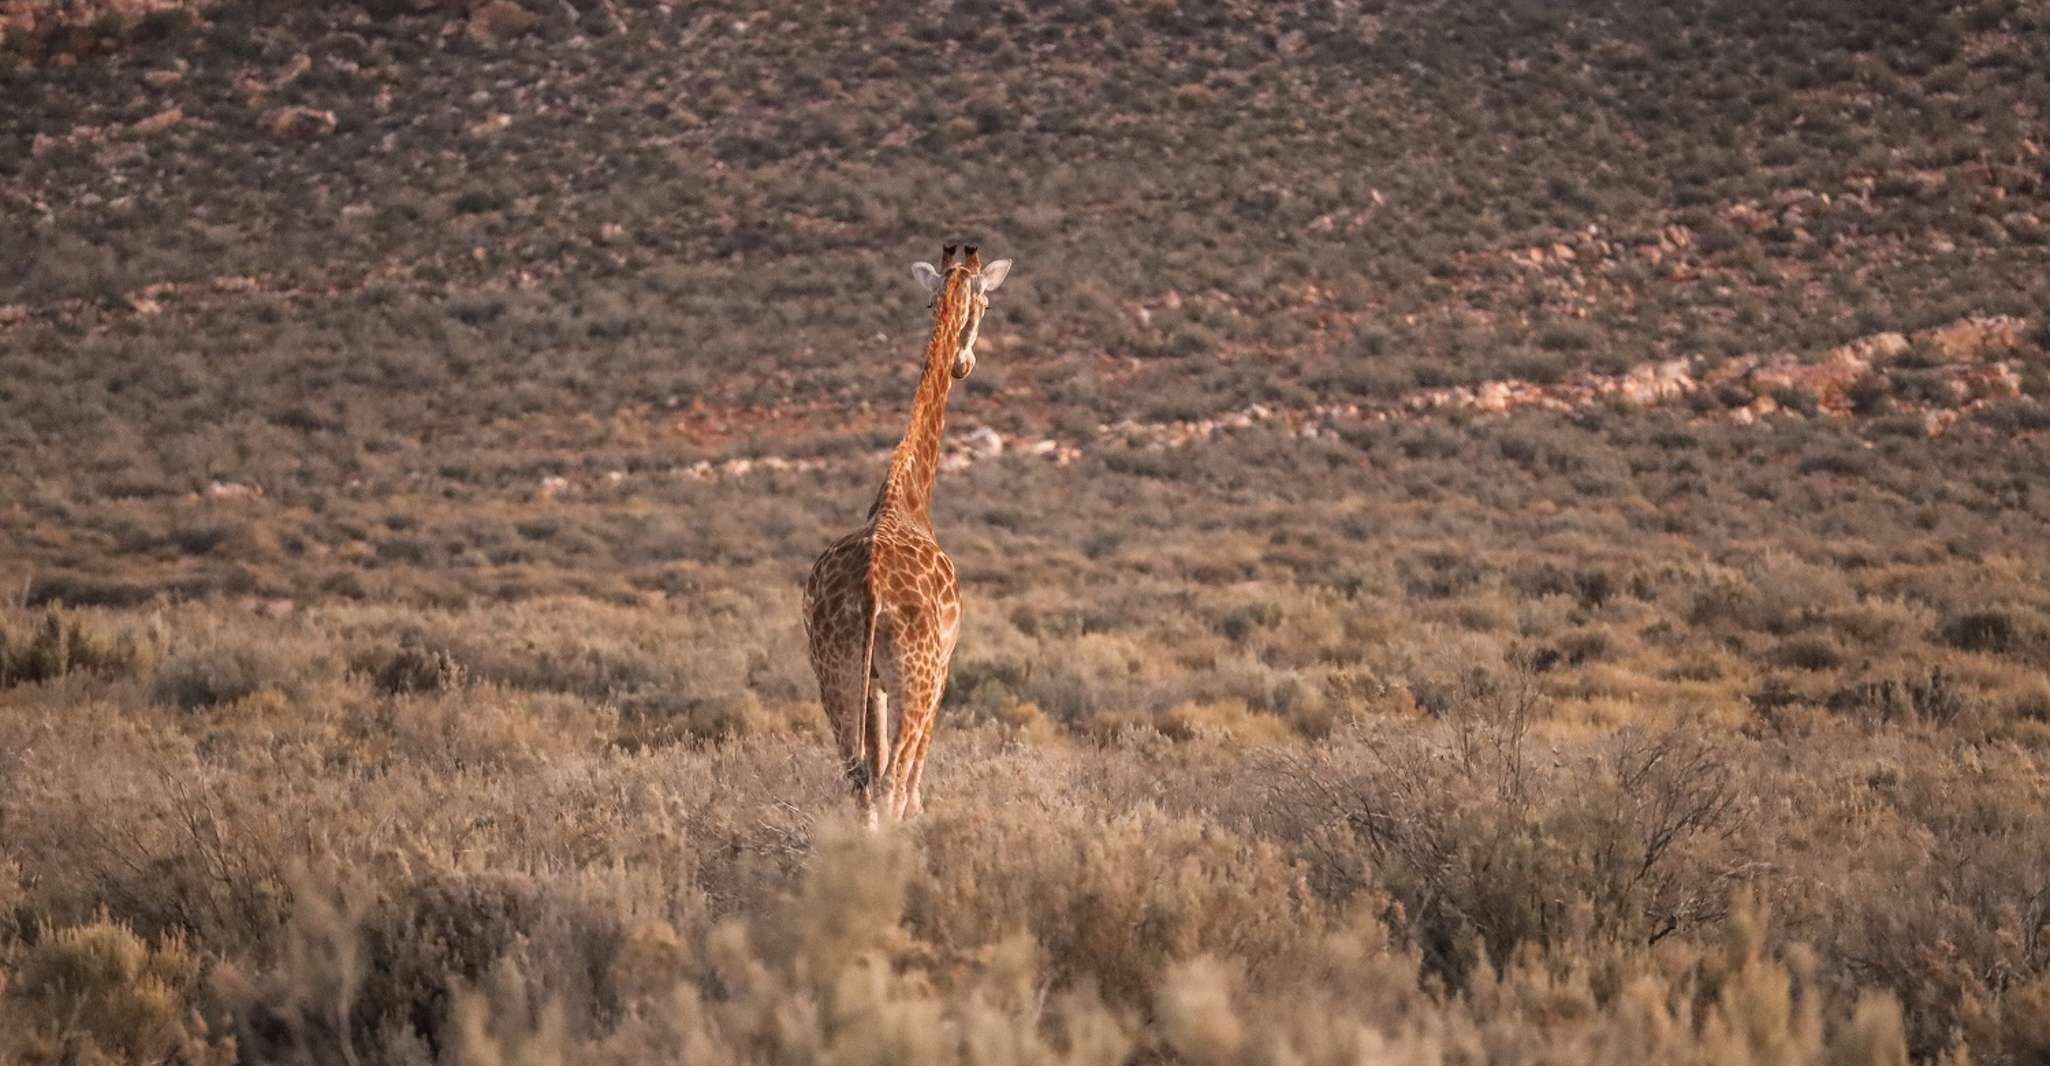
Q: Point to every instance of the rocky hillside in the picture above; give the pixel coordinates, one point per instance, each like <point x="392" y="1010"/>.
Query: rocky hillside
<point x="633" y="205"/>
<point x="489" y="250"/>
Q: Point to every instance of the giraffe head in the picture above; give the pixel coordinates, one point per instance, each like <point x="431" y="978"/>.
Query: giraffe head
<point x="960" y="292"/>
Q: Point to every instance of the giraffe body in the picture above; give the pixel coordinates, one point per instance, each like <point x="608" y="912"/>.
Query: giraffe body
<point x="882" y="607"/>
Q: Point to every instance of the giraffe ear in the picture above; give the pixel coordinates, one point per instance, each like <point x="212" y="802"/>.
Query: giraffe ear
<point x="993" y="275"/>
<point x="928" y="276"/>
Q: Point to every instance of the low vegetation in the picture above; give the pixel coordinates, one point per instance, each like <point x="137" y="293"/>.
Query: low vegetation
<point x="489" y="876"/>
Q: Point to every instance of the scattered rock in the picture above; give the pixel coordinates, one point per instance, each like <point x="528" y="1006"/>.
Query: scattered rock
<point x="1970" y="339"/>
<point x="299" y="65"/>
<point x="983" y="442"/>
<point x="231" y="490"/>
<point x="299" y="121"/>
<point x="1760" y="388"/>
<point x="501" y="20"/>
<point x="1652" y="383"/>
<point x="486" y="127"/>
<point x="162" y="120"/>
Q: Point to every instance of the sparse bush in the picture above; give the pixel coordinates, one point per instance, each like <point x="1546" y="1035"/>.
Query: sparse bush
<point x="55" y="646"/>
<point x="413" y="668"/>
<point x="207" y="677"/>
<point x="1497" y="853"/>
<point x="1934" y="698"/>
<point x="2001" y="631"/>
<point x="99" y="993"/>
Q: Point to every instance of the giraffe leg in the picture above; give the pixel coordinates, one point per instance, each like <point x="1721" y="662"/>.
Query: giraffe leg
<point x="915" y="804"/>
<point x="918" y="703"/>
<point x="840" y="692"/>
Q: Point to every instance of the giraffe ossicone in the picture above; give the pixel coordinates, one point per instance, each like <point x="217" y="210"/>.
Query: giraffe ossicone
<point x="882" y="607"/>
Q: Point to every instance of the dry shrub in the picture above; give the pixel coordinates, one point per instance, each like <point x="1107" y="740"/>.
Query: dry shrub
<point x="2025" y="1021"/>
<point x="829" y="974"/>
<point x="1111" y="901"/>
<point x="1934" y="698"/>
<point x="55" y="646"/>
<point x="412" y="668"/>
<point x="162" y="846"/>
<point x="1059" y="903"/>
<point x="359" y="971"/>
<point x="1944" y="904"/>
<point x="97" y="993"/>
<point x="2014" y="631"/>
<point x="1482" y="849"/>
<point x="1361" y="999"/>
<point x="220" y="674"/>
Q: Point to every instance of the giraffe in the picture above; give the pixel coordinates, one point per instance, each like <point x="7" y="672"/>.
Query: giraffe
<point x="882" y="607"/>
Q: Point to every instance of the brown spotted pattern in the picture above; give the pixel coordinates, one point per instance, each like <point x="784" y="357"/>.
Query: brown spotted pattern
<point x="882" y="607"/>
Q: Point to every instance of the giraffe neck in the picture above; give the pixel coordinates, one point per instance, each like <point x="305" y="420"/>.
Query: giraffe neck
<point x="907" y="488"/>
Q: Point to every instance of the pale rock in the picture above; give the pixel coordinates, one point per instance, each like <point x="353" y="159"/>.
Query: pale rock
<point x="983" y="442"/>
<point x="299" y="121"/>
<point x="486" y="127"/>
<point x="162" y="120"/>
<point x="231" y="490"/>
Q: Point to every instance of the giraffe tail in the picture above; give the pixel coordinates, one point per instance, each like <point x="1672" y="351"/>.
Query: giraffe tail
<point x="875" y="729"/>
